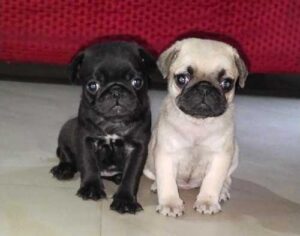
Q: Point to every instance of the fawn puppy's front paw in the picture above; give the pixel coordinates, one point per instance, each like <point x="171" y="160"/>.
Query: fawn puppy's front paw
<point x="172" y="207"/>
<point x="207" y="205"/>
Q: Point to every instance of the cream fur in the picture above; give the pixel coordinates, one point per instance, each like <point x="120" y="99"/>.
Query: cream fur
<point x="186" y="152"/>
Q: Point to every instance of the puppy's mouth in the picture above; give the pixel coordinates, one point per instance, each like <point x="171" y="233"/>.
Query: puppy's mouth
<point x="202" y="100"/>
<point x="116" y="101"/>
<point x="118" y="109"/>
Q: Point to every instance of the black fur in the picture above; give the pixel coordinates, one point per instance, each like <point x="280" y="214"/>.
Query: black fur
<point x="202" y="100"/>
<point x="116" y="110"/>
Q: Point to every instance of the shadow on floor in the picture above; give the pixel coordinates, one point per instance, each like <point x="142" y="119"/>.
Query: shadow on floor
<point x="248" y="200"/>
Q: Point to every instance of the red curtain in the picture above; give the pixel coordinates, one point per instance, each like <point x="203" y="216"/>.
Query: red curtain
<point x="51" y="31"/>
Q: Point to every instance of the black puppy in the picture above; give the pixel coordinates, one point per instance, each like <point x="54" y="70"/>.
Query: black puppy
<point x="109" y="138"/>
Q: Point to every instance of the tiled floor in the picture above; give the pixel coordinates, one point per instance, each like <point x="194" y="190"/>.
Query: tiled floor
<point x="265" y="193"/>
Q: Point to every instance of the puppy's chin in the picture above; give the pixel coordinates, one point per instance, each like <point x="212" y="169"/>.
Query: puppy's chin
<point x="118" y="112"/>
<point x="202" y="111"/>
<point x="202" y="101"/>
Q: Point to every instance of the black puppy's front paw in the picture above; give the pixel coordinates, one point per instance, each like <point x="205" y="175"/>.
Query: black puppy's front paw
<point x="63" y="171"/>
<point x="125" y="204"/>
<point x="91" y="190"/>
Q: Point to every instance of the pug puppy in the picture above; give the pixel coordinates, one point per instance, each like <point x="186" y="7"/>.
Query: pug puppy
<point x="109" y="137"/>
<point x="193" y="143"/>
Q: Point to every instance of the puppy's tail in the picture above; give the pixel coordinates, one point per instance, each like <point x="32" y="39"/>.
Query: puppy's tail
<point x="149" y="174"/>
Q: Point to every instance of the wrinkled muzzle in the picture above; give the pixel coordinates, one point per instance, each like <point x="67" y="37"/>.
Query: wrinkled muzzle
<point x="116" y="100"/>
<point x="202" y="100"/>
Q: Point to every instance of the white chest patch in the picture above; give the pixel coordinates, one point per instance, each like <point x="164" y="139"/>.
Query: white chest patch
<point x="110" y="171"/>
<point x="111" y="138"/>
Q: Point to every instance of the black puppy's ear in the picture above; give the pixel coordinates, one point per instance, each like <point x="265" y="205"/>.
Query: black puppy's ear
<point x="242" y="69"/>
<point x="74" y="67"/>
<point x="150" y="65"/>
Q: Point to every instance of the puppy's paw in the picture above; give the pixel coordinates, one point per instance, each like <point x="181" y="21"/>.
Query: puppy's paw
<point x="206" y="206"/>
<point x="63" y="171"/>
<point x="153" y="188"/>
<point x="91" y="190"/>
<point x="225" y="195"/>
<point x="125" y="204"/>
<point x="172" y="208"/>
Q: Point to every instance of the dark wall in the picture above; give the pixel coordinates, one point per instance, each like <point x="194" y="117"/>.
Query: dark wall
<point x="257" y="84"/>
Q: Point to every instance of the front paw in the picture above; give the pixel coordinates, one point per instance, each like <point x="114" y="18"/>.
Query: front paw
<point x="125" y="204"/>
<point x="207" y="206"/>
<point x="173" y="208"/>
<point x="91" y="190"/>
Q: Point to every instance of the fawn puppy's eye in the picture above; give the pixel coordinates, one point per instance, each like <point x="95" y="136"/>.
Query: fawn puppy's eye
<point x="227" y="84"/>
<point x="182" y="79"/>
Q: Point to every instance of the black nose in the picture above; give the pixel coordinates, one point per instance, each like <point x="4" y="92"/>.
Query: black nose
<point x="116" y="91"/>
<point x="204" y="87"/>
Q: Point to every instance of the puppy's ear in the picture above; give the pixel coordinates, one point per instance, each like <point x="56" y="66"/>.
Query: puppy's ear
<point x="166" y="59"/>
<point x="74" y="67"/>
<point x="150" y="66"/>
<point x="242" y="69"/>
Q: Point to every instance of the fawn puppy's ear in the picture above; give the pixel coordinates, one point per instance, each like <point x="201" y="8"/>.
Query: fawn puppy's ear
<point x="242" y="69"/>
<point x="167" y="57"/>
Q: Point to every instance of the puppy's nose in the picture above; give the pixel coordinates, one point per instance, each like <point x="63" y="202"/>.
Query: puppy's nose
<point x="116" y="91"/>
<point x="204" y="87"/>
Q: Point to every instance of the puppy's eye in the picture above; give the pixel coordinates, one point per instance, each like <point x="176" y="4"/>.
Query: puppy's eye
<point x="182" y="79"/>
<point x="137" y="83"/>
<point x="227" y="84"/>
<point x="92" y="87"/>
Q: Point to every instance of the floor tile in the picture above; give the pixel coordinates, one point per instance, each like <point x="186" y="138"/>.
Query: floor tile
<point x="35" y="176"/>
<point x="36" y="211"/>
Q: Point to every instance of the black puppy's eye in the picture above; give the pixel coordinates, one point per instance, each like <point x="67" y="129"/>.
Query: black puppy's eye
<point x="92" y="87"/>
<point x="137" y="83"/>
<point x="182" y="79"/>
<point x="227" y="84"/>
